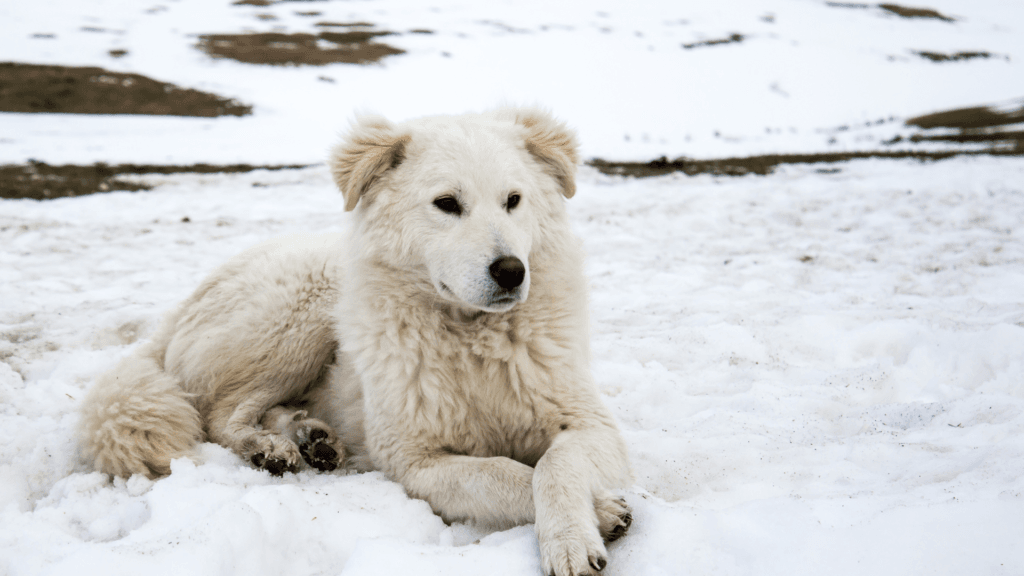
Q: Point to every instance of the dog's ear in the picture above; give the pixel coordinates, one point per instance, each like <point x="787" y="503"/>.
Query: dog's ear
<point x="372" y="147"/>
<point x="551" y="142"/>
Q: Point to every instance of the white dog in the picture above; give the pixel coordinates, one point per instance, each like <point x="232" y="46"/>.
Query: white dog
<point x="444" y="342"/>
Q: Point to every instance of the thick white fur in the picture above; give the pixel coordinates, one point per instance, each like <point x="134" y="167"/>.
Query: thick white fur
<point x="397" y="344"/>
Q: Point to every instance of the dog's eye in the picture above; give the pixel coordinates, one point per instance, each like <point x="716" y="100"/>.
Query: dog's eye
<point x="448" y="204"/>
<point x="513" y="201"/>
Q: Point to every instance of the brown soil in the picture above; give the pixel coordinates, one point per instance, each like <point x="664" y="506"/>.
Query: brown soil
<point x="763" y="165"/>
<point x="940" y="57"/>
<point x="42" y="181"/>
<point x="88" y="90"/>
<point x="355" y="47"/>
<point x="906" y="12"/>
<point x="733" y="38"/>
<point x="975" y="125"/>
<point x="974" y="117"/>
<point x="759" y="165"/>
<point x="979" y="124"/>
<point x="1010" y="137"/>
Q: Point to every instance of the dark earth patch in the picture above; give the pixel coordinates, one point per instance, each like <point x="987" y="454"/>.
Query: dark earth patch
<point x="733" y="38"/>
<point x="117" y="53"/>
<point x="759" y="165"/>
<point x="907" y="12"/>
<point x="974" y="125"/>
<point x="352" y="37"/>
<point x="902" y="11"/>
<point x="973" y="117"/>
<point x="940" y="57"/>
<point x="279" y="49"/>
<point x="978" y="124"/>
<point x="41" y="181"/>
<point x="89" y="90"/>
<point x="1011" y="138"/>
<point x="764" y="165"/>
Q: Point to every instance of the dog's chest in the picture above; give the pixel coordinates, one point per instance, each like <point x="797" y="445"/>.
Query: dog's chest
<point x="490" y="398"/>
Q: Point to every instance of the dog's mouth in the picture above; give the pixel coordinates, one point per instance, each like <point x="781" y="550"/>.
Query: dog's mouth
<point x="501" y="302"/>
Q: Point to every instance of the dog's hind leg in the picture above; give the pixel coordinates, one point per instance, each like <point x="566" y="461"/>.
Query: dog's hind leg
<point x="233" y="423"/>
<point x="318" y="444"/>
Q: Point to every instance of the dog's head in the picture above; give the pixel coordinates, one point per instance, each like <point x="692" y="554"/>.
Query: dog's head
<point x="463" y="200"/>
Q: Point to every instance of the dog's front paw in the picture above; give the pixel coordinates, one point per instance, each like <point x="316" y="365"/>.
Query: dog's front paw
<point x="319" y="449"/>
<point x="614" y="516"/>
<point x="576" y="551"/>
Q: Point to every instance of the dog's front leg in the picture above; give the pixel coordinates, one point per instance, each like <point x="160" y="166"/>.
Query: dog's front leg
<point x="496" y="491"/>
<point x="570" y="497"/>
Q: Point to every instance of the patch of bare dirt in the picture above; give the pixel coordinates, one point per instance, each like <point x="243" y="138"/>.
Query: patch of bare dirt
<point x="732" y="39"/>
<point x="901" y="11"/>
<point x="89" y="90"/>
<point x="278" y="49"/>
<point x="940" y="57"/>
<point x="761" y="165"/>
<point x="41" y="181"/>
<point x="907" y="12"/>
<point x="994" y="125"/>
<point x="344" y="25"/>
<point x="974" y="117"/>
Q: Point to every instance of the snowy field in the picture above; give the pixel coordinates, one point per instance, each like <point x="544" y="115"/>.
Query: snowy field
<point x="817" y="372"/>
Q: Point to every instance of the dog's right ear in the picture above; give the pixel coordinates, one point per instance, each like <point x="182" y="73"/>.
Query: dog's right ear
<point x="372" y="147"/>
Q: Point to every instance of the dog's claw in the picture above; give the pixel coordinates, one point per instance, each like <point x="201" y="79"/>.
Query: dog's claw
<point x="598" y="563"/>
<point x="620" y="530"/>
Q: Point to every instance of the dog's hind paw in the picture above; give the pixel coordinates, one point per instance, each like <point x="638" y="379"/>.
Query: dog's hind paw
<point x="276" y="466"/>
<point x="319" y="448"/>
<point x="317" y="453"/>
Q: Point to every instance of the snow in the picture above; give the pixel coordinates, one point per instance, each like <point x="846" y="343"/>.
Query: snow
<point x="616" y="70"/>
<point x="817" y="371"/>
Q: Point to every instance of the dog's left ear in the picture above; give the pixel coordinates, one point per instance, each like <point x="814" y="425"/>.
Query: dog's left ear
<point x="372" y="147"/>
<point x="552" y="143"/>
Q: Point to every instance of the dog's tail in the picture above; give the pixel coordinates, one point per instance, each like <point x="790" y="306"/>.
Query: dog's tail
<point x="137" y="418"/>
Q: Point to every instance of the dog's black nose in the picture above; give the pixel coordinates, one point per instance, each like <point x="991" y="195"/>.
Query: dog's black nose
<point x="508" y="272"/>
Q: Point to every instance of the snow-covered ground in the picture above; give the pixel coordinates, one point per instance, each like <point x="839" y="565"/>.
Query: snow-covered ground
<point x="806" y="73"/>
<point x="817" y="372"/>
